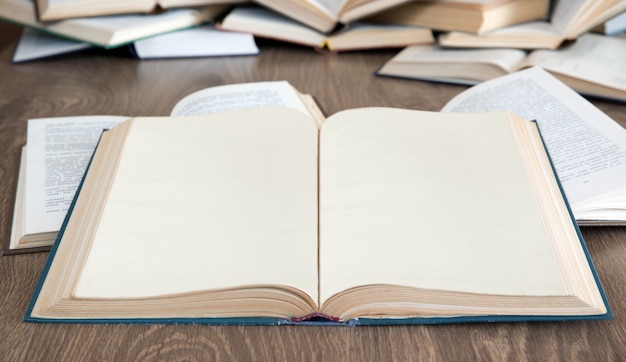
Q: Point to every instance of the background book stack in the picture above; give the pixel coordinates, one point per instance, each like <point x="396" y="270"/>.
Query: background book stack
<point x="201" y="41"/>
<point x="357" y="35"/>
<point x="570" y="42"/>
<point x="325" y="15"/>
<point x="60" y="9"/>
<point x="475" y="16"/>
<point x="112" y="26"/>
<point x="568" y="20"/>
<point x="593" y="65"/>
<point x="108" y="31"/>
<point x="163" y="34"/>
<point x="336" y="25"/>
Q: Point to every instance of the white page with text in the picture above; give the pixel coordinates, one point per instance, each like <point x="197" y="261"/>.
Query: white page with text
<point x="59" y="150"/>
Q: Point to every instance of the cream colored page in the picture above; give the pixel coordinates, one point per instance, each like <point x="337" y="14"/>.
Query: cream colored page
<point x="440" y="204"/>
<point x="205" y="203"/>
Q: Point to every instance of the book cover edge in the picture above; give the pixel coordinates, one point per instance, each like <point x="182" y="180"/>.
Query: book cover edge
<point x="583" y="244"/>
<point x="55" y="246"/>
<point x="352" y="322"/>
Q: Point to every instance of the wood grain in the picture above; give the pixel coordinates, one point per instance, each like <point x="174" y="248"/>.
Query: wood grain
<point x="112" y="83"/>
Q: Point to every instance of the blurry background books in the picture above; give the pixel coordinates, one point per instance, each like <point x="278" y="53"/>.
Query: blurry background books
<point x="335" y="26"/>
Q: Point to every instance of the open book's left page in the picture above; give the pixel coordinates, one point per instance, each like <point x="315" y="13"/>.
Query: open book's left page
<point x="225" y="203"/>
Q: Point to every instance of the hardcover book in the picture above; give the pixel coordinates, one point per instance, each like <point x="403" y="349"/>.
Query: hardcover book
<point x="266" y="216"/>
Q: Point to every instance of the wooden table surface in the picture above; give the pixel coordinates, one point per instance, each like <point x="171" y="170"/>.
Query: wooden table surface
<point x="98" y="83"/>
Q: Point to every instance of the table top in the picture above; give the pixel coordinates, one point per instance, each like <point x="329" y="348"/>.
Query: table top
<point x="98" y="82"/>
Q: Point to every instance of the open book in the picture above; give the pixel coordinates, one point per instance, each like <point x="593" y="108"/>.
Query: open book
<point x="593" y="65"/>
<point x="324" y="15"/>
<point x="62" y="9"/>
<point x="354" y="36"/>
<point x="266" y="216"/>
<point x="109" y="31"/>
<point x="569" y="20"/>
<point x="475" y="16"/>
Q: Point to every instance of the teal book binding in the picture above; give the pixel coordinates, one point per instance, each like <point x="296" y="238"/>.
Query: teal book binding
<point x="369" y="303"/>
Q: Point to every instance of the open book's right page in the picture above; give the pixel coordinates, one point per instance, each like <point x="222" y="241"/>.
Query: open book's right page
<point x="428" y="203"/>
<point x="587" y="147"/>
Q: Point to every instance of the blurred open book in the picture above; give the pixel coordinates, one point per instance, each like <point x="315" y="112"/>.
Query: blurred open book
<point x="474" y="16"/>
<point x="355" y="36"/>
<point x="63" y="9"/>
<point x="593" y="65"/>
<point x="109" y="31"/>
<point x="569" y="20"/>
